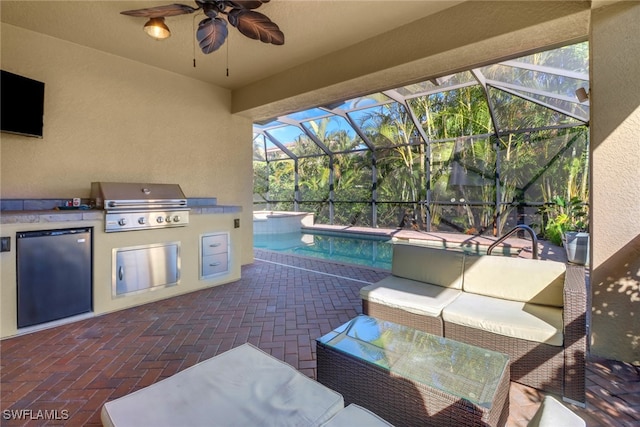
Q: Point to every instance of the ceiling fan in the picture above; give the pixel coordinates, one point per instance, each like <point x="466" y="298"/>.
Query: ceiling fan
<point x="212" y="30"/>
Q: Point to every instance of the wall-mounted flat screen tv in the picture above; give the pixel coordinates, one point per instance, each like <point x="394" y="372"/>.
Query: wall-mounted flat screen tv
<point x="22" y="109"/>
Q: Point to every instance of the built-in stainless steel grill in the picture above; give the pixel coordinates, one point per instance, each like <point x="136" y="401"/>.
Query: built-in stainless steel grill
<point x="131" y="206"/>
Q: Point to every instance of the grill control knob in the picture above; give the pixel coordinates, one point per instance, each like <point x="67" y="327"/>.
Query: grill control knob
<point x="142" y="220"/>
<point x="160" y="220"/>
<point x="176" y="218"/>
<point x="168" y="219"/>
<point x="122" y="222"/>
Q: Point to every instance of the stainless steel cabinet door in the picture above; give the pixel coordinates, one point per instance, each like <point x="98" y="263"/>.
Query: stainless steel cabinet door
<point x="143" y="267"/>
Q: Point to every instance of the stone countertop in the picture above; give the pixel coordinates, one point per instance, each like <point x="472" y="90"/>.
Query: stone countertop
<point x="26" y="217"/>
<point x="66" y="215"/>
<point x="215" y="209"/>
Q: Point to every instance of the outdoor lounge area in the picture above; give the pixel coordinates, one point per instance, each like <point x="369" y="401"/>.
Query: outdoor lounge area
<point x="281" y="305"/>
<point x="142" y="258"/>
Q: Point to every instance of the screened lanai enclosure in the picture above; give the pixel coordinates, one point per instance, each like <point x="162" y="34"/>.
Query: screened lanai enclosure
<point x="475" y="152"/>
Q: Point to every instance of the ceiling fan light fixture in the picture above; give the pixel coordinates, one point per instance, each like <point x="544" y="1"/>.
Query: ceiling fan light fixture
<point x="156" y="28"/>
<point x="212" y="30"/>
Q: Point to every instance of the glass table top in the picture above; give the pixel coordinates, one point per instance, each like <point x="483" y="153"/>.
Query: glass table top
<point x="460" y="369"/>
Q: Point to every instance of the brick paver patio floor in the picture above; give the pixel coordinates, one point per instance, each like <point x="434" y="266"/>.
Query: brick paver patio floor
<point x="281" y="304"/>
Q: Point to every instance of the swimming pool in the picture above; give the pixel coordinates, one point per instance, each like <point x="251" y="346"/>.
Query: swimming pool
<point x="370" y="251"/>
<point x="360" y="249"/>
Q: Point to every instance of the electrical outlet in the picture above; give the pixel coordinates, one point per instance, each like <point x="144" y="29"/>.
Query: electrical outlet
<point x="236" y="223"/>
<point x="5" y="244"/>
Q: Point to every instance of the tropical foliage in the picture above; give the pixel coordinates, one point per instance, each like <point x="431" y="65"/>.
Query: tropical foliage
<point x="563" y="215"/>
<point x="455" y="157"/>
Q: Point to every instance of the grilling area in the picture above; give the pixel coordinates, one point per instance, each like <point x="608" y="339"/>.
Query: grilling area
<point x="130" y="206"/>
<point x="144" y="242"/>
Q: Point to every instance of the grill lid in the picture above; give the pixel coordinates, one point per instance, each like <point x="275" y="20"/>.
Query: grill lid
<point x="124" y="195"/>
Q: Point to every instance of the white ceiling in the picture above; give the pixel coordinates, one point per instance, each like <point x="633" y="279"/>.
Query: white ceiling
<point x="312" y="28"/>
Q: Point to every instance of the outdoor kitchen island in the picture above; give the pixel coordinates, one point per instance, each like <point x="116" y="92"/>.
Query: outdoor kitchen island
<point x="206" y="252"/>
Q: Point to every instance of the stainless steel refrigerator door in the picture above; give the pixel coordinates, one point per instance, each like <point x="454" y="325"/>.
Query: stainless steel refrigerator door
<point x="54" y="275"/>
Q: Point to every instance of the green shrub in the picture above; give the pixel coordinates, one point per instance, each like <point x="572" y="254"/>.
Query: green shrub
<point x="561" y="216"/>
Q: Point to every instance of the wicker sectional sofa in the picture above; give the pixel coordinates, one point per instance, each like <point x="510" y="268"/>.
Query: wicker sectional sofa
<point x="532" y="310"/>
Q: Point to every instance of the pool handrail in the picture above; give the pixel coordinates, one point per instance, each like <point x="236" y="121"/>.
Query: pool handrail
<point x="534" y="239"/>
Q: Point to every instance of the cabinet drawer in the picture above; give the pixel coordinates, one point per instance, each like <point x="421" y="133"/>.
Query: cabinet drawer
<point x="214" y="264"/>
<point x="214" y="244"/>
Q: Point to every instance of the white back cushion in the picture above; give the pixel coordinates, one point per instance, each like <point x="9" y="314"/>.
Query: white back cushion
<point x="516" y="279"/>
<point x="430" y="265"/>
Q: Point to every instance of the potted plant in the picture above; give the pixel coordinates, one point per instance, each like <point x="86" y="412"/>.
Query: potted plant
<point x="566" y="224"/>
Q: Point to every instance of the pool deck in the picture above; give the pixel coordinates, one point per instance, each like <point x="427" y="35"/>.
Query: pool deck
<point x="281" y="304"/>
<point x="522" y="246"/>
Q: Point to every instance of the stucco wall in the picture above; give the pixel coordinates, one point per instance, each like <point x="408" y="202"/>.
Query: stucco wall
<point x="112" y="119"/>
<point x="615" y="203"/>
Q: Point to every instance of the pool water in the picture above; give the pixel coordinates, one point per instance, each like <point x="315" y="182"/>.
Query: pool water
<point x="370" y="251"/>
<point x="360" y="249"/>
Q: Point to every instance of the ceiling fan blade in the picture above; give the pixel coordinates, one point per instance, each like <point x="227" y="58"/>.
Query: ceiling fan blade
<point x="246" y="4"/>
<point x="161" y="11"/>
<point x="211" y="34"/>
<point x="255" y="25"/>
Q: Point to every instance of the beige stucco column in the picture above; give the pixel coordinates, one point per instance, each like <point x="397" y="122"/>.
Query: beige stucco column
<point x="615" y="196"/>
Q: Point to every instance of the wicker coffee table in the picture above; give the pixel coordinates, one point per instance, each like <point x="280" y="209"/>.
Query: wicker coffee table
<point x="410" y="377"/>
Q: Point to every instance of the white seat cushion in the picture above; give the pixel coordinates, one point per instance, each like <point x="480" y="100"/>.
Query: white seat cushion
<point x="514" y="319"/>
<point x="410" y="295"/>
<point x="354" y="416"/>
<point x="240" y="387"/>
<point x="554" y="414"/>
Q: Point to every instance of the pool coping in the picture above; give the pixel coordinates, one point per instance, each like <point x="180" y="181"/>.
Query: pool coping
<point x="546" y="250"/>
